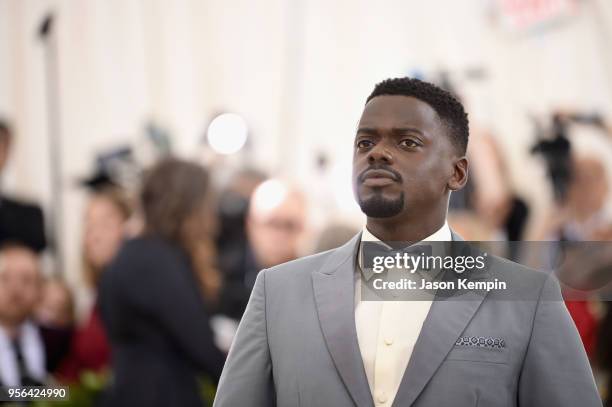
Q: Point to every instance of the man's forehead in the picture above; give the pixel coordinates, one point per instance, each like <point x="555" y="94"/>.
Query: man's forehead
<point x="398" y="110"/>
<point x="18" y="256"/>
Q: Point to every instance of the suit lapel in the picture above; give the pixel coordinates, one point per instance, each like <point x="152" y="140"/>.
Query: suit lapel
<point x="445" y="322"/>
<point x="334" y="295"/>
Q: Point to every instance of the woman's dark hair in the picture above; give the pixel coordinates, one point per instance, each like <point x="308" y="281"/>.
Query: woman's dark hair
<point x="173" y="190"/>
<point x="173" y="201"/>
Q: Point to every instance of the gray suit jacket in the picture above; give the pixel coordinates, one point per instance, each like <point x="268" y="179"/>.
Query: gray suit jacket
<point x="297" y="345"/>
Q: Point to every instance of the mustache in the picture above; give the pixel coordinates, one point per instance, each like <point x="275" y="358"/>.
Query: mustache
<point x="396" y="176"/>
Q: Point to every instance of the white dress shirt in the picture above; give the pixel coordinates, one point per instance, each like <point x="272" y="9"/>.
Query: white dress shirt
<point x="387" y="332"/>
<point x="33" y="351"/>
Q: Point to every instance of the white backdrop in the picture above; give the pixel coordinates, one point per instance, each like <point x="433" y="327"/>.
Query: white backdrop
<point x="298" y="71"/>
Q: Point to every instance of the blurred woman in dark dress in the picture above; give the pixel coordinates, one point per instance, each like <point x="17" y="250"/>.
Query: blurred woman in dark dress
<point x="154" y="296"/>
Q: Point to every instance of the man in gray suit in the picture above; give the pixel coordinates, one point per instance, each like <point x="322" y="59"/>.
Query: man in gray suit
<point x="308" y="339"/>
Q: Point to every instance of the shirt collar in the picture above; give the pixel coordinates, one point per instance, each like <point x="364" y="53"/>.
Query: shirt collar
<point x="441" y="235"/>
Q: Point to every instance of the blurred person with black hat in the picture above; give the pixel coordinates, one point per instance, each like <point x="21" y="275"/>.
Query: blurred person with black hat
<point x="106" y="217"/>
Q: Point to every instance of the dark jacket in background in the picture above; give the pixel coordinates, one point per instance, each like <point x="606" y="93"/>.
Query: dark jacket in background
<point x="22" y="223"/>
<point x="157" y="325"/>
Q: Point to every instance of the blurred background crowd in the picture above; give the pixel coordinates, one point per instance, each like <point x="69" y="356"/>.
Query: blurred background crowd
<point x="156" y="155"/>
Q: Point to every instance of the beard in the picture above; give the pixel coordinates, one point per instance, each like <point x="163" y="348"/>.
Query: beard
<point x="379" y="207"/>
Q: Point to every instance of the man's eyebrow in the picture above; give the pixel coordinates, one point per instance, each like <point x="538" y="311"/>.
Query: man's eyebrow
<point x="402" y="130"/>
<point x="395" y="130"/>
<point x="367" y="130"/>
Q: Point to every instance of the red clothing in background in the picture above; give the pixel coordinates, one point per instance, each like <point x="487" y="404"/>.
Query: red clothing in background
<point x="89" y="350"/>
<point x="586" y="323"/>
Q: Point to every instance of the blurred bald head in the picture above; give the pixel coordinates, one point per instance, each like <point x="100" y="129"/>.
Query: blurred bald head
<point x="276" y="222"/>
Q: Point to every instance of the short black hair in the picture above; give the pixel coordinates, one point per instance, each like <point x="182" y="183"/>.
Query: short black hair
<point x="449" y="109"/>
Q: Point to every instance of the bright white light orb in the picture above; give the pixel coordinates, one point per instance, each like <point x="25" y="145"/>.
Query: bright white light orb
<point x="227" y="133"/>
<point x="268" y="196"/>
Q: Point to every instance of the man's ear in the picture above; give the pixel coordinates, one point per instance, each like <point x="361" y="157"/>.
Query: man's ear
<point x="460" y="174"/>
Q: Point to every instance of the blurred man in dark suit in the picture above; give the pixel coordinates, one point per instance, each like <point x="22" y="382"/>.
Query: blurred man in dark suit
<point x="19" y="221"/>
<point x="22" y="352"/>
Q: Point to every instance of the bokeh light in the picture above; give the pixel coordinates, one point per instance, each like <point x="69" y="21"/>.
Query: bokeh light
<point x="227" y="133"/>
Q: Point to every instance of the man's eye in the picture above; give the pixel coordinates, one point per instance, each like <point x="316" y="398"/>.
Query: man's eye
<point x="364" y="144"/>
<point x="409" y="143"/>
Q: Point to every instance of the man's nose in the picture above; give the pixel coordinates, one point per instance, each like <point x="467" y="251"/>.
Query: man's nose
<point x="380" y="153"/>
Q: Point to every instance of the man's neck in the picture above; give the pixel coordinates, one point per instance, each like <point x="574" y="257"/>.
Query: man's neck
<point x="389" y="230"/>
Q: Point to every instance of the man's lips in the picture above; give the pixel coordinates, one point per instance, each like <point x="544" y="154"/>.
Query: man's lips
<point x="377" y="182"/>
<point x="378" y="178"/>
